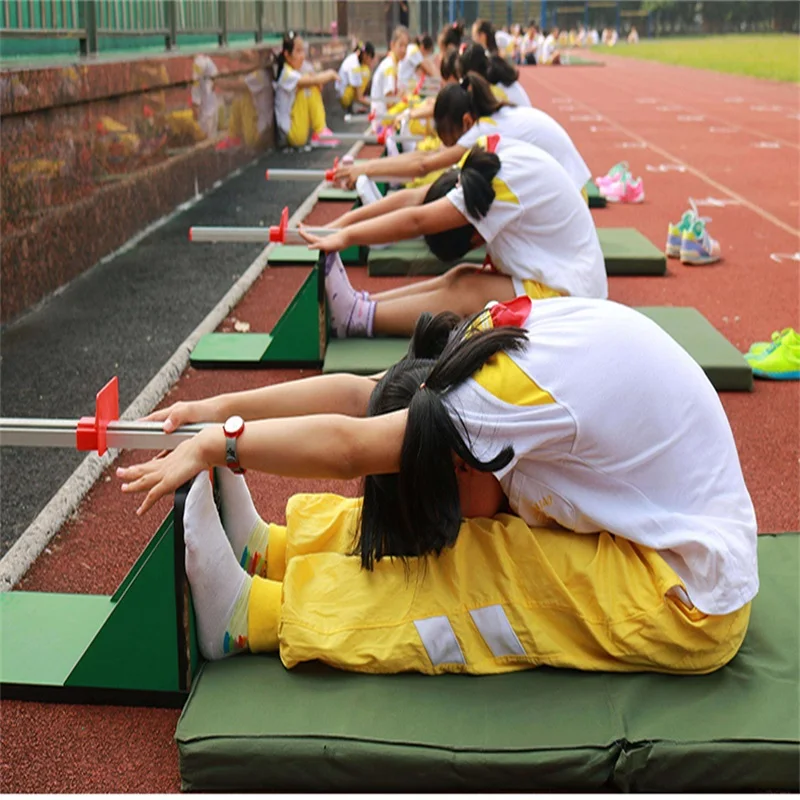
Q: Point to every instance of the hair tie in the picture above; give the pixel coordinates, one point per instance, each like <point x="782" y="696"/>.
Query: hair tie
<point x="465" y="83"/>
<point x="422" y="385"/>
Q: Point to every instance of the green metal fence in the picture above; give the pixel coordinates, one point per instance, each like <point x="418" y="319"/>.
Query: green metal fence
<point x="102" y="24"/>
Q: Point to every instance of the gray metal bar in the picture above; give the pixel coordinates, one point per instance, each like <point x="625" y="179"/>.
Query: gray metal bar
<point x="121" y="434"/>
<point x="253" y="235"/>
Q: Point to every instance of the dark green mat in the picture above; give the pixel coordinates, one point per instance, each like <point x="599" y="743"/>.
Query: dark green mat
<point x="333" y="195"/>
<point x="298" y="255"/>
<point x="626" y="252"/>
<point x="721" y="361"/>
<point x="412" y="257"/>
<point x="596" y="200"/>
<point x="249" y="724"/>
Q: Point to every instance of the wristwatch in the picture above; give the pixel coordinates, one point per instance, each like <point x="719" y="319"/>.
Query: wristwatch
<point x="233" y="428"/>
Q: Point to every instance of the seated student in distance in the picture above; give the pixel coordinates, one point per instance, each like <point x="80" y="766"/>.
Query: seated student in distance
<point x="448" y="69"/>
<point x="539" y="234"/>
<point x="463" y="113"/>
<point x="549" y="50"/>
<point x="499" y="73"/>
<point x="354" y="76"/>
<point x="530" y="45"/>
<point x="385" y="84"/>
<point x="418" y="62"/>
<point x="299" y="110"/>
<point x="641" y="555"/>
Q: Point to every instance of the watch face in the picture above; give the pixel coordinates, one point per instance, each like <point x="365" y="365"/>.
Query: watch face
<point x="233" y="425"/>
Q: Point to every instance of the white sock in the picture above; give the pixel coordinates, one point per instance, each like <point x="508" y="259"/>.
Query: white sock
<point x="351" y="313"/>
<point x="368" y="191"/>
<point x="220" y="587"/>
<point x="239" y="515"/>
<point x="391" y="147"/>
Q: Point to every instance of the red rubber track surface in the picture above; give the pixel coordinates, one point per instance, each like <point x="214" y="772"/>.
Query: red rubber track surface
<point x="62" y="748"/>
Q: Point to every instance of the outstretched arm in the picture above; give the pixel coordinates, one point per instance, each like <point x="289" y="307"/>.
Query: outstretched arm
<point x="317" y="78"/>
<point x="321" y="394"/>
<point x="407" y="223"/>
<point x="321" y="446"/>
<point x="406" y="165"/>
<point x="392" y="202"/>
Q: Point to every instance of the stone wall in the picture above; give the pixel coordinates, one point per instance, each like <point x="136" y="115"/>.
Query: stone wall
<point x="92" y="152"/>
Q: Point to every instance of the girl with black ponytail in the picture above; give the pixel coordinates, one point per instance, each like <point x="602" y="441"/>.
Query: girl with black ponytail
<point x="503" y="77"/>
<point x="463" y="113"/>
<point x="539" y="235"/>
<point x="299" y="110"/>
<point x="631" y="539"/>
<point x="354" y="76"/>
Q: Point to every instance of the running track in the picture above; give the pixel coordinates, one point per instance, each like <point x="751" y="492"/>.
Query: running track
<point x="53" y="748"/>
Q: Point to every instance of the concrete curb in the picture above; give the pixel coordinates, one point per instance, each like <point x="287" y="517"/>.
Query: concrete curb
<point x="35" y="538"/>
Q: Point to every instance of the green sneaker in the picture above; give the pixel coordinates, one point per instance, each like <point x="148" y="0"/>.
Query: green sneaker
<point x="760" y="347"/>
<point x="780" y="361"/>
<point x="675" y="233"/>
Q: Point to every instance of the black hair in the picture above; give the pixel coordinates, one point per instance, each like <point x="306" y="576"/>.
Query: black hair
<point x="472" y="95"/>
<point x="487" y="29"/>
<point x="452" y="35"/>
<point x="449" y="66"/>
<point x="492" y="67"/>
<point x="425" y="42"/>
<point x="417" y="511"/>
<point x="475" y="178"/>
<point x="366" y="49"/>
<point x="287" y="46"/>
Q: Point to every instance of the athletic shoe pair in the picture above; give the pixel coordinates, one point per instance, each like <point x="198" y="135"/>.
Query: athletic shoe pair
<point x="778" y="359"/>
<point x="618" y="186"/>
<point x="689" y="240"/>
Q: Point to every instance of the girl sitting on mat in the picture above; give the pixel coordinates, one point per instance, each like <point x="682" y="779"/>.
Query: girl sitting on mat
<point x="501" y="75"/>
<point x="448" y="69"/>
<point x="631" y="542"/>
<point x="540" y="240"/>
<point x="299" y="110"/>
<point x="464" y="112"/>
<point x="354" y="76"/>
<point x="385" y="83"/>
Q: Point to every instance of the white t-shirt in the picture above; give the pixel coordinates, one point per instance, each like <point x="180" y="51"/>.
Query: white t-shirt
<point x="548" y="49"/>
<point x="503" y="40"/>
<point x="516" y="94"/>
<point x="384" y="83"/>
<point x="539" y="226"/>
<point x="616" y="428"/>
<point x="407" y="70"/>
<point x="285" y="91"/>
<point x="530" y="44"/>
<point x="537" y="128"/>
<point x="351" y="73"/>
<point x="204" y="70"/>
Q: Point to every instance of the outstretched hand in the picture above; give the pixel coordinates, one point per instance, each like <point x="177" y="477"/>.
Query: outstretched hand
<point x="346" y="175"/>
<point x="328" y="244"/>
<point x="165" y="474"/>
<point x="176" y="415"/>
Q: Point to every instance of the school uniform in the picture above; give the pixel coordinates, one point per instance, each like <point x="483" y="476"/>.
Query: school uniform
<point x="537" y="128"/>
<point x="516" y="94"/>
<point x="353" y="75"/>
<point x="298" y="112"/>
<point x="538" y="230"/>
<point x="633" y="543"/>
<point x="407" y="68"/>
<point x="384" y="84"/>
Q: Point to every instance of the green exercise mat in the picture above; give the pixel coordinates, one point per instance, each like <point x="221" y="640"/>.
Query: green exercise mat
<point x="596" y="200"/>
<point x="721" y="361"/>
<point x="412" y="257"/>
<point x="292" y="255"/>
<point x="626" y="252"/>
<point x="251" y="725"/>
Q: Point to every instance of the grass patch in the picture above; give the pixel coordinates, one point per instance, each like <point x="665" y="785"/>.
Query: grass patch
<point x="775" y="56"/>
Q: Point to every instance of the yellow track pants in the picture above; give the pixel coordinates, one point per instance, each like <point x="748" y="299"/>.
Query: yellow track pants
<point x="308" y="116"/>
<point x="505" y="597"/>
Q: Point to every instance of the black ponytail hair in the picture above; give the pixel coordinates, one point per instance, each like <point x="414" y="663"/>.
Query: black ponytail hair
<point x="475" y="178"/>
<point x="366" y="49"/>
<point x="417" y="511"/>
<point x="452" y="35"/>
<point x="487" y="29"/>
<point x="425" y="42"/>
<point x="472" y="95"/>
<point x="449" y="66"/>
<point x="491" y="67"/>
<point x="287" y="46"/>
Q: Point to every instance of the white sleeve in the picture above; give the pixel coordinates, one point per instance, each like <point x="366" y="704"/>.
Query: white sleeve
<point x="415" y="58"/>
<point x="501" y="214"/>
<point x="288" y="80"/>
<point x="354" y="77"/>
<point x="471" y="136"/>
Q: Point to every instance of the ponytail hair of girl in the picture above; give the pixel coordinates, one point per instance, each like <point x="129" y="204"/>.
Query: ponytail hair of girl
<point x="449" y="66"/>
<point x="492" y="67"/>
<point x="365" y="49"/>
<point x="452" y="35"/>
<point x="473" y="95"/>
<point x="287" y="46"/>
<point x="417" y="511"/>
<point x="475" y="177"/>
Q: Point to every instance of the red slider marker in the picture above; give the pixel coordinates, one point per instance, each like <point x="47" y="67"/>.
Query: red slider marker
<point x="330" y="174"/>
<point x="91" y="433"/>
<point x="266" y="174"/>
<point x="277" y="233"/>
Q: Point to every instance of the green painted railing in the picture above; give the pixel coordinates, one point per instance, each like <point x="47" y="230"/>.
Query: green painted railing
<point x="105" y="24"/>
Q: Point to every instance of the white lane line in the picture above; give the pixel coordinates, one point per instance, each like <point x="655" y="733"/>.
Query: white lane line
<point x="33" y="540"/>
